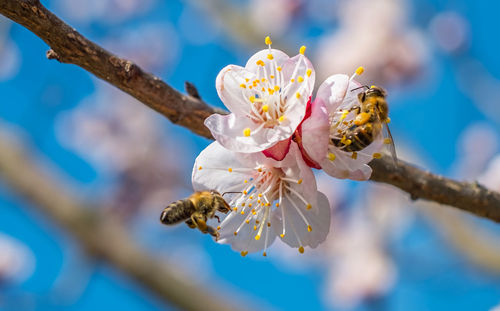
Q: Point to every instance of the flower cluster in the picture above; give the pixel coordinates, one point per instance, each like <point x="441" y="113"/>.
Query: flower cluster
<point x="266" y="147"/>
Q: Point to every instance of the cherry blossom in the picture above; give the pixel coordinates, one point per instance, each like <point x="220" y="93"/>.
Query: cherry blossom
<point x="267" y="99"/>
<point x="274" y="198"/>
<point x="338" y="95"/>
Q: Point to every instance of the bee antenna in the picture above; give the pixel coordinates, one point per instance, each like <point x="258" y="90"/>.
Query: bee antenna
<point x="363" y="86"/>
<point x="231" y="192"/>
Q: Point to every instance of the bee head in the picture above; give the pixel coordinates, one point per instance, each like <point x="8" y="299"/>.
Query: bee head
<point x="375" y="91"/>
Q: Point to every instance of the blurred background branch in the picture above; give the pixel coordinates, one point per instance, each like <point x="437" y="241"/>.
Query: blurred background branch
<point x="69" y="46"/>
<point x="101" y="234"/>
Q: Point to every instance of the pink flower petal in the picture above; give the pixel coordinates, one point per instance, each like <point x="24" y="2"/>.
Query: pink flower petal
<point x="278" y="151"/>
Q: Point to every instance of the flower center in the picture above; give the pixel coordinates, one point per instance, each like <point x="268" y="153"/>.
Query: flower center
<point x="267" y="94"/>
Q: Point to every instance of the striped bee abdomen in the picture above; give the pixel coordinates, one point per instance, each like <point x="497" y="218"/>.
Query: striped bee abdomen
<point x="177" y="211"/>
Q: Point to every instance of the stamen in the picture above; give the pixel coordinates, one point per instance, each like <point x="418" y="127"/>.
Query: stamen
<point x="300" y="213"/>
<point x="278" y="68"/>
<point x="243" y="86"/>
<point x="301" y="249"/>
<point x="302" y="49"/>
<point x="309" y="72"/>
<point x="359" y="71"/>
<point x="268" y="41"/>
<point x="246" y="132"/>
<point x="200" y="167"/>
<point x="377" y="155"/>
<point x="387" y="141"/>
<point x="300" y="79"/>
<point x="244" y="253"/>
<point x="270" y="56"/>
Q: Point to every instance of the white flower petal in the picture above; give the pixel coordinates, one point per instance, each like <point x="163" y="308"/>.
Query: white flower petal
<point x="228" y="130"/>
<point x="228" y="85"/>
<point x="279" y="58"/>
<point x="332" y="91"/>
<point x="211" y="170"/>
<point x="245" y="238"/>
<point x="316" y="132"/>
<point x="296" y="229"/>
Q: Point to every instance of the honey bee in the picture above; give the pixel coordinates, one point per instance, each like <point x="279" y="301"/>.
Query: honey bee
<point x="372" y="116"/>
<point x="196" y="210"/>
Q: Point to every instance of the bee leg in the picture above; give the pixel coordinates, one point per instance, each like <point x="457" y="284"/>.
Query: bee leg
<point x="190" y="224"/>
<point x="213" y="232"/>
<point x="199" y="221"/>
<point x="217" y="217"/>
<point x="362" y="118"/>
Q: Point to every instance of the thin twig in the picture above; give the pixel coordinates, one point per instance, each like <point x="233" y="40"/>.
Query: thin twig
<point x="69" y="46"/>
<point x="102" y="236"/>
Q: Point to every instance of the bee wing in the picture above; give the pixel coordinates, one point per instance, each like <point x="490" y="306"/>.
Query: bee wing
<point x="388" y="140"/>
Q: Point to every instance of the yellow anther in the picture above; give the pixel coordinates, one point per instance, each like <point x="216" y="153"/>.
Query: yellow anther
<point x="249" y="204"/>
<point x="301" y="249"/>
<point x="250" y="87"/>
<point x="299" y="181"/>
<point x="235" y="233"/>
<point x="388" y="120"/>
<point x="297" y="95"/>
<point x="300" y="79"/>
<point x="245" y="192"/>
<point x="263" y="89"/>
<point x="243" y="86"/>
<point x="243" y="253"/>
<point x="277" y="204"/>
<point x="278" y="68"/>
<point x="259" y="170"/>
<point x="247" y="221"/>
<point x="268" y="204"/>
<point x="257" y="237"/>
<point x="270" y="56"/>
<point x="247" y="132"/>
<point x="377" y="155"/>
<point x="360" y="70"/>
<point x="246" y="79"/>
<point x="331" y="156"/>
<point x="263" y="80"/>
<point x="344" y="114"/>
<point x="292" y="80"/>
<point x="268" y="41"/>
<point x="276" y="88"/>
<point x="242" y="212"/>
<point x="200" y="167"/>
<point x="309" y="72"/>
<point x="269" y="224"/>
<point x="264" y="254"/>
<point x="387" y="141"/>
<point x="235" y="209"/>
<point x="302" y="49"/>
<point x="245" y="181"/>
<point x="254" y="228"/>
<point x="260" y="62"/>
<point x="281" y="119"/>
<point x="354" y="155"/>
<point x="282" y="235"/>
<point x="271" y="76"/>
<point x="252" y="99"/>
<point x="309" y="228"/>
<point x="218" y="227"/>
<point x="250" y="197"/>
<point x="243" y="204"/>
<point x="271" y="91"/>
<point x="258" y="201"/>
<point x="260" y="195"/>
<point x="308" y="206"/>
<point x="257" y="221"/>
<point x="229" y="170"/>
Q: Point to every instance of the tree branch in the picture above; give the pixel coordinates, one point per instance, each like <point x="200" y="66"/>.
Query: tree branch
<point x="69" y="46"/>
<point x="101" y="235"/>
